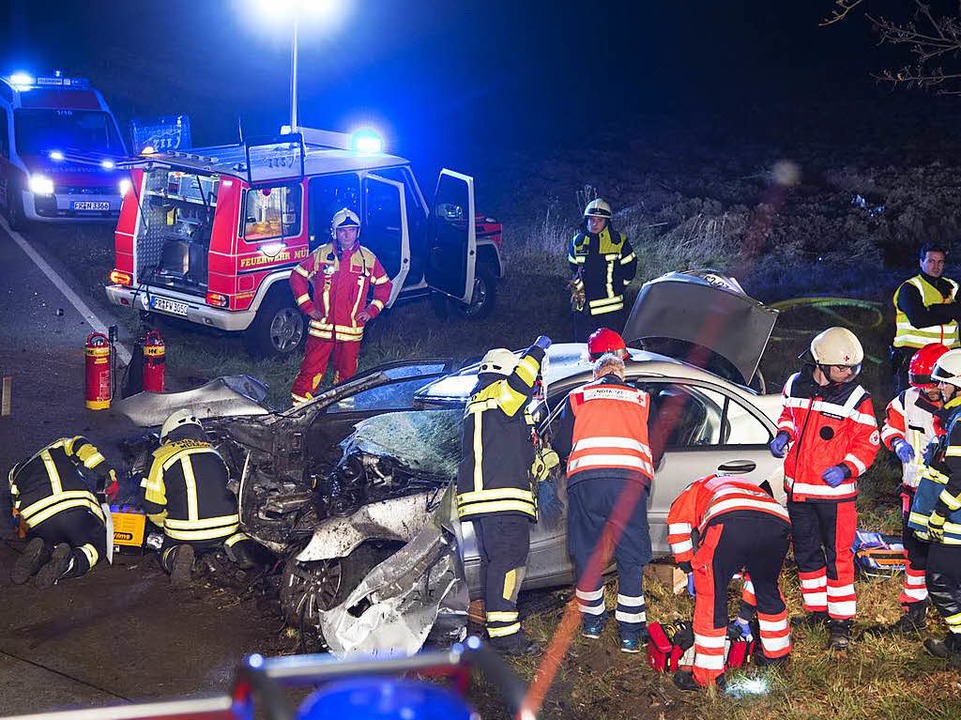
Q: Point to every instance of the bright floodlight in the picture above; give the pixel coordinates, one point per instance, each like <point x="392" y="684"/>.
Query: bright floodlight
<point x="283" y="10"/>
<point x="107" y="164"/>
<point x="21" y="79"/>
<point x="367" y="141"/>
<point x="56" y="155"/>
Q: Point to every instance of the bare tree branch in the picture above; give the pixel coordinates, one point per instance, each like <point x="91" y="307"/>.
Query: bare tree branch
<point x="840" y="11"/>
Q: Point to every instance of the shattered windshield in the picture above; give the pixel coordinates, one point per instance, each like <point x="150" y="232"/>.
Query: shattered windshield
<point x="426" y="441"/>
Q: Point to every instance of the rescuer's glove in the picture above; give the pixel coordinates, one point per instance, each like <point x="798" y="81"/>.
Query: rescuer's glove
<point x="741" y="629"/>
<point x="364" y="317"/>
<point x="904" y="451"/>
<point x="779" y="444"/>
<point x="835" y="475"/>
<point x="543" y="342"/>
<point x="936" y="527"/>
<point x="545" y="460"/>
<point x="690" y="585"/>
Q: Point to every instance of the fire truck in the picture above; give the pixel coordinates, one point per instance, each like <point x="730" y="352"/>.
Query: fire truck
<point x="44" y="121"/>
<point x="211" y="235"/>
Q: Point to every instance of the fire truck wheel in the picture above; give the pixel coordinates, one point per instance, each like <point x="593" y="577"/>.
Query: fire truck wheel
<point x="278" y="330"/>
<point x="482" y="301"/>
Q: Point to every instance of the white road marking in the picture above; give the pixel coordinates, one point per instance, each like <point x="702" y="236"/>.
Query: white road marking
<point x="86" y="313"/>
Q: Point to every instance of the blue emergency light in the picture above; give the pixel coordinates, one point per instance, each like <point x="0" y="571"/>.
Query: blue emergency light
<point x="367" y="141"/>
<point x="21" y="80"/>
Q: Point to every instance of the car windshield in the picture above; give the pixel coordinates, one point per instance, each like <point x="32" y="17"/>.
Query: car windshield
<point x="40" y="131"/>
<point x="426" y="441"/>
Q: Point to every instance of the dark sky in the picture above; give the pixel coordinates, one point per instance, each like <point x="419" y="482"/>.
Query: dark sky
<point x="439" y="72"/>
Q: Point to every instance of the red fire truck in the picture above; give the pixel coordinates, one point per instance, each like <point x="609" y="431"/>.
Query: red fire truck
<point x="211" y="235"/>
<point x="43" y="122"/>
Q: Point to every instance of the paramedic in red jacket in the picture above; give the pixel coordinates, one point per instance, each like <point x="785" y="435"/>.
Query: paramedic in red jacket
<point x="828" y="422"/>
<point x="719" y="526"/>
<point x="911" y="423"/>
<point x="603" y="430"/>
<point x="331" y="286"/>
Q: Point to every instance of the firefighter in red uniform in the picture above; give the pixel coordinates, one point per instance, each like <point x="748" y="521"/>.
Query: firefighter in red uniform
<point x="603" y="430"/>
<point x="331" y="286"/>
<point x="717" y="527"/>
<point x="53" y="494"/>
<point x="829" y="422"/>
<point x="911" y="423"/>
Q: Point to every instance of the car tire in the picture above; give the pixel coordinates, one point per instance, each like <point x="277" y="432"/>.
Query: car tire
<point x="278" y="330"/>
<point x="483" y="299"/>
<point x="16" y="217"/>
<point x="306" y="587"/>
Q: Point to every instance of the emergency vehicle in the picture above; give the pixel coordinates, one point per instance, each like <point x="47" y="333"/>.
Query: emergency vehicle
<point x="211" y="235"/>
<point x="44" y="122"/>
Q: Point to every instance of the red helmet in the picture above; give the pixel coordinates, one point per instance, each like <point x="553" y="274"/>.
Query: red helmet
<point x="922" y="365"/>
<point x="605" y="341"/>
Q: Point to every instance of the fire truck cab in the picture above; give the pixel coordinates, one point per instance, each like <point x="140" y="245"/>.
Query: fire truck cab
<point x="43" y="122"/>
<point x="210" y="236"/>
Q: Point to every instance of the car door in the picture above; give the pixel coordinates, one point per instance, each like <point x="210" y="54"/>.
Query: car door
<point x="452" y="237"/>
<point x="384" y="229"/>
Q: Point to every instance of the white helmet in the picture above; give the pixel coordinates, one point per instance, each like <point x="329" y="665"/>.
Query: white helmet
<point x="838" y="346"/>
<point x="947" y="369"/>
<point x="344" y="219"/>
<point x="598" y="208"/>
<point x="178" y="420"/>
<point x="499" y="361"/>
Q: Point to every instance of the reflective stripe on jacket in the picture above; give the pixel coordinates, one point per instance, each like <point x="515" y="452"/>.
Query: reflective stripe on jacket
<point x="827" y="426"/>
<point x="906" y="335"/>
<point x="187" y="495"/>
<point x="610" y="434"/>
<point x="497" y="450"/>
<point x="939" y="487"/>
<point x="707" y="499"/>
<point x="603" y="265"/>
<point x="340" y="283"/>
<point x="910" y="417"/>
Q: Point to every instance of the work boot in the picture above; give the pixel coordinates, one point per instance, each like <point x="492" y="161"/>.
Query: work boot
<point x="30" y="561"/>
<point x="593" y="625"/>
<point x="948" y="648"/>
<point x="811" y="620"/>
<point x="56" y="567"/>
<point x="684" y="679"/>
<point x="515" y="645"/>
<point x="762" y="660"/>
<point x="182" y="566"/>
<point x="840" y="634"/>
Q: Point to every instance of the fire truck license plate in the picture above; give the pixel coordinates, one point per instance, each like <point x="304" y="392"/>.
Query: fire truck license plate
<point x="89" y="205"/>
<point x="169" y="306"/>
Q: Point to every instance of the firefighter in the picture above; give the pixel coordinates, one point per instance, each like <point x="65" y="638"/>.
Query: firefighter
<point x="331" y="287"/>
<point x="603" y="341"/>
<point x="910" y="425"/>
<point x="936" y="511"/>
<point x="186" y="494"/>
<point x="494" y="488"/>
<point x="927" y="311"/>
<point x="829" y="422"/>
<point x="54" y="494"/>
<point x="602" y="264"/>
<point x="717" y="527"/>
<point x="603" y="431"/>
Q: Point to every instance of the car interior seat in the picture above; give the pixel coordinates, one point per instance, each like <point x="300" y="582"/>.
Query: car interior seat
<point x="682" y="416"/>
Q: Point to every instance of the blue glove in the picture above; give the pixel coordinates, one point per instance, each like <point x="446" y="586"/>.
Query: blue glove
<point x="903" y="449"/>
<point x="835" y="475"/>
<point x="779" y="444"/>
<point x="690" y="584"/>
<point x="743" y="628"/>
<point x="543" y="342"/>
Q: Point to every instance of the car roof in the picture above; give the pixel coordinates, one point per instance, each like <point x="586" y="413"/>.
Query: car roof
<point x="570" y="361"/>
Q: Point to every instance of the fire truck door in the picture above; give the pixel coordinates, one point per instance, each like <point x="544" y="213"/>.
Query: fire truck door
<point x="384" y="228"/>
<point x="452" y="238"/>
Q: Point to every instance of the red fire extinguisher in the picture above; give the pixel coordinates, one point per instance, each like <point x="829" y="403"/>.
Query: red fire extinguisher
<point x="154" y="362"/>
<point x="97" y="367"/>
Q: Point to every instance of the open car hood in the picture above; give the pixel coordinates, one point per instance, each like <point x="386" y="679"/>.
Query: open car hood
<point x="704" y="308"/>
<point x="230" y="395"/>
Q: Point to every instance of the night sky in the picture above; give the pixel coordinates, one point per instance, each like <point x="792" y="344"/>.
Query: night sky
<point x="445" y="75"/>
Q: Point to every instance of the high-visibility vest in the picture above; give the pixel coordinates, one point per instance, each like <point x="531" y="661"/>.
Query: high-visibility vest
<point x="910" y="417"/>
<point x="906" y="335"/>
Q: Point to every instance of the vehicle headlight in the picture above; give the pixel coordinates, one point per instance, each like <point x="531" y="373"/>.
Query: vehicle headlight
<point x="124" y="187"/>
<point x="41" y="185"/>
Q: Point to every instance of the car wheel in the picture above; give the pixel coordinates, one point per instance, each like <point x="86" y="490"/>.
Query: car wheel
<point x="483" y="298"/>
<point x="278" y="329"/>
<point x="16" y="217"/>
<point x="306" y="587"/>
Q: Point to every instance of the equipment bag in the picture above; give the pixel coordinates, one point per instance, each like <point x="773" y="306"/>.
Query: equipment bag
<point x="877" y="555"/>
<point x="662" y="654"/>
<point x="670" y="647"/>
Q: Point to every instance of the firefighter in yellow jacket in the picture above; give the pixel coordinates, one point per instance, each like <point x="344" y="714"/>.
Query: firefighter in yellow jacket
<point x="494" y="487"/>
<point x="53" y="493"/>
<point x="186" y="494"/>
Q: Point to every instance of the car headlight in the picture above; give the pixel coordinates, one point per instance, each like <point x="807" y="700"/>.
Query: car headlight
<point x="41" y="185"/>
<point x="124" y="187"/>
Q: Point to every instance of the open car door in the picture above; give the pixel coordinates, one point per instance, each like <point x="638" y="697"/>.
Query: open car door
<point x="452" y="237"/>
<point x="385" y="229"/>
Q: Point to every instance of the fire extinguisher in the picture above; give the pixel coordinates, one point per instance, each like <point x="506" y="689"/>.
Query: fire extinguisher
<point x="97" y="371"/>
<point x="154" y="362"/>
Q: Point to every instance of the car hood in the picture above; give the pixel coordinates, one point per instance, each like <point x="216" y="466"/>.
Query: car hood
<point x="705" y="308"/>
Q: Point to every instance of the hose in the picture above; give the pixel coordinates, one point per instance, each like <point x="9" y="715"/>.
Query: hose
<point x="827" y="306"/>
